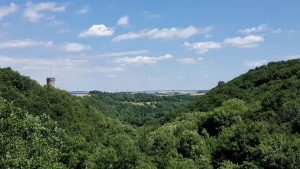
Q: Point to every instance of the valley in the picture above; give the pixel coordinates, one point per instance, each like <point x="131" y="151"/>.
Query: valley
<point x="251" y="121"/>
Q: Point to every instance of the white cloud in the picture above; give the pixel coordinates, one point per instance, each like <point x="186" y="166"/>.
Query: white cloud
<point x="7" y="10"/>
<point x="255" y="63"/>
<point x="24" y="43"/>
<point x="36" y="12"/>
<point x="27" y="43"/>
<point x="190" y="61"/>
<point x="123" y="21"/>
<point x="164" y="33"/>
<point x="38" y="63"/>
<point x="126" y="53"/>
<point x="260" y="29"/>
<point x="143" y="59"/>
<point x="84" y="10"/>
<point x="250" y="41"/>
<point x="55" y="65"/>
<point x="75" y="47"/>
<point x="257" y="29"/>
<point x="202" y="47"/>
<point x="97" y="30"/>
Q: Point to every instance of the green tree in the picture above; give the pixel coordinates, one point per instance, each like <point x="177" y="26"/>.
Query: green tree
<point x="27" y="141"/>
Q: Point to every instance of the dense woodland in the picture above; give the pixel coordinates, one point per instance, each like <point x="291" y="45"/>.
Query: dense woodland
<point x="137" y="109"/>
<point x="252" y="121"/>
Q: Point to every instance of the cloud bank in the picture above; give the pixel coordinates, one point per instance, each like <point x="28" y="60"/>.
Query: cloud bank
<point x="36" y="12"/>
<point x="164" y="33"/>
<point x="7" y="10"/>
<point x="142" y="59"/>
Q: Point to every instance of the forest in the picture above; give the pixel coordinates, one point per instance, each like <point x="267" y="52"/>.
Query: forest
<point x="250" y="122"/>
<point x="137" y="109"/>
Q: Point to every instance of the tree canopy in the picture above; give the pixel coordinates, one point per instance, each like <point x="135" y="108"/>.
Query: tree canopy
<point x="252" y="121"/>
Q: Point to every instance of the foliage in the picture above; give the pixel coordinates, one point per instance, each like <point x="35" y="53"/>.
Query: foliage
<point x="136" y="108"/>
<point x="27" y="141"/>
<point x="252" y="121"/>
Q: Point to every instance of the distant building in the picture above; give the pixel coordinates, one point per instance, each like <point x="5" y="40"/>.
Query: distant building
<point x="51" y="82"/>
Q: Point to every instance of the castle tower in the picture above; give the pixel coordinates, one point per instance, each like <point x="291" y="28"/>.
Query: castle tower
<point x="51" y="82"/>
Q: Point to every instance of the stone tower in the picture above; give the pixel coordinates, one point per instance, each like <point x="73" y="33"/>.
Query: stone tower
<point x="51" y="82"/>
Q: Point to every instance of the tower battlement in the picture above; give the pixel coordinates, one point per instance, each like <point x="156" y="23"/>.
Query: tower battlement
<point x="51" y="82"/>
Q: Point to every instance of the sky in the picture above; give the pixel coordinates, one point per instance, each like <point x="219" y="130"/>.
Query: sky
<point x="134" y="45"/>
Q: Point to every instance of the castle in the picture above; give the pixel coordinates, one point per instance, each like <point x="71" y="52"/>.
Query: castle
<point x="51" y="82"/>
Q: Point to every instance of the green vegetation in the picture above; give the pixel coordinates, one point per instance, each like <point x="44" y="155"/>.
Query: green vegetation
<point x="252" y="121"/>
<point x="136" y="109"/>
<point x="85" y="131"/>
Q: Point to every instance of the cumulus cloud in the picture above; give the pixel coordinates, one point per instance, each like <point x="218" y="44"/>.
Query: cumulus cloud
<point x="123" y="21"/>
<point x="84" y="10"/>
<point x="36" y="12"/>
<point x="142" y="59"/>
<point x="190" y="61"/>
<point x="255" y="63"/>
<point x="24" y="43"/>
<point x="97" y="30"/>
<point x="250" y="41"/>
<point x="7" y="10"/>
<point x="202" y="47"/>
<point x="75" y="47"/>
<point x="164" y="33"/>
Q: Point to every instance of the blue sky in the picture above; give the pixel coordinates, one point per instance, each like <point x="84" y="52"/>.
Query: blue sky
<point x="131" y="45"/>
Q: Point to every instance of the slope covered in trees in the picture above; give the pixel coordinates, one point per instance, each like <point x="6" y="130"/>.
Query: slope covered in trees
<point x="272" y="85"/>
<point x="240" y="115"/>
<point x="250" y="122"/>
<point x="136" y="109"/>
<point x="84" y="134"/>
